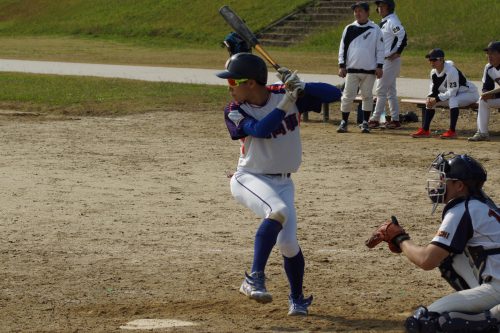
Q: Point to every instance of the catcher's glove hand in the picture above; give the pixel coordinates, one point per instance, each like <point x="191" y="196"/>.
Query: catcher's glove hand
<point x="390" y="232"/>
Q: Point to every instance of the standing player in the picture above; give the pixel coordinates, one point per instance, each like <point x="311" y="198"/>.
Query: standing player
<point x="491" y="76"/>
<point x="394" y="41"/>
<point x="449" y="87"/>
<point x="466" y="248"/>
<point x="266" y="121"/>
<point x="361" y="57"/>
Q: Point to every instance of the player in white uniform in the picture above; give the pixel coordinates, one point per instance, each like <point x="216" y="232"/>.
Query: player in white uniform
<point x="491" y="76"/>
<point x="361" y="58"/>
<point x="266" y="121"/>
<point x="449" y="87"/>
<point x="466" y="248"/>
<point x="394" y="36"/>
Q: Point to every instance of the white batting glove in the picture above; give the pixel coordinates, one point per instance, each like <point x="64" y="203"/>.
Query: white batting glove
<point x="288" y="100"/>
<point x="283" y="74"/>
<point x="293" y="82"/>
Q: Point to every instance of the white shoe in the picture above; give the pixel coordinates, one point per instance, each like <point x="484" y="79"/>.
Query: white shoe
<point x="479" y="137"/>
<point x="255" y="288"/>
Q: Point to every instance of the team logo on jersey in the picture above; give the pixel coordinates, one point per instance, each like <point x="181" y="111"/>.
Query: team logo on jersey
<point x="395" y="29"/>
<point x="366" y="35"/>
<point x="443" y="234"/>
<point x="235" y="117"/>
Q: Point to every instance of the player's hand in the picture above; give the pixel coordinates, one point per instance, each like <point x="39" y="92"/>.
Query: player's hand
<point x="393" y="56"/>
<point x="379" y="72"/>
<point x="342" y="72"/>
<point x="288" y="100"/>
<point x="431" y="101"/>
<point x="283" y="74"/>
<point x="390" y="232"/>
<point x="293" y="83"/>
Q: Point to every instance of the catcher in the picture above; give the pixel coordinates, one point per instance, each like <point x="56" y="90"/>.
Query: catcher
<point x="466" y="248"/>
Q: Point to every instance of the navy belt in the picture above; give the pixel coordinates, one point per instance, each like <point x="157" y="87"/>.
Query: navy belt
<point x="287" y="175"/>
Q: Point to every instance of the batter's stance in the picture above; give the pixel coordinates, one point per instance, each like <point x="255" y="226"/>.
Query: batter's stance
<point x="266" y="121"/>
<point x="466" y="248"/>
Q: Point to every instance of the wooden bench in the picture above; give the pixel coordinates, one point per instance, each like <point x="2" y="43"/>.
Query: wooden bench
<point x="420" y="103"/>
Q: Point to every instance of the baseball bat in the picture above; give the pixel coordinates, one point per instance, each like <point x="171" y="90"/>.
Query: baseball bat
<point x="240" y="27"/>
<point x="491" y="92"/>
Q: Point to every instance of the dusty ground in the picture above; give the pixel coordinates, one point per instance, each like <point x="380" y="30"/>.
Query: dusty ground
<point x="107" y="220"/>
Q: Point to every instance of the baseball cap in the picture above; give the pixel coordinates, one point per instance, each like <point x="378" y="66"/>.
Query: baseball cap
<point x="435" y="54"/>
<point x="361" y="4"/>
<point x="390" y="3"/>
<point x="493" y="46"/>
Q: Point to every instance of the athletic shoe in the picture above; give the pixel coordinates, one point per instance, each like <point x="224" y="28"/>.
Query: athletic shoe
<point x="364" y="127"/>
<point x="421" y="133"/>
<point x="374" y="124"/>
<point x="343" y="127"/>
<point x="298" y="306"/>
<point x="479" y="137"/>
<point x="449" y="134"/>
<point x="254" y="286"/>
<point x="393" y="124"/>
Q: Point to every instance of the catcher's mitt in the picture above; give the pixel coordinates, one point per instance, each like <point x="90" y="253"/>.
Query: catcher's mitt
<point x="390" y="232"/>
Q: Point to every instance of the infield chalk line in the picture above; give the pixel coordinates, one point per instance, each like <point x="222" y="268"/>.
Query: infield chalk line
<point x="151" y="324"/>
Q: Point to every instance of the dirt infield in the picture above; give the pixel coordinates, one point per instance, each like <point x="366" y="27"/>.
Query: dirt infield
<point x="108" y="220"/>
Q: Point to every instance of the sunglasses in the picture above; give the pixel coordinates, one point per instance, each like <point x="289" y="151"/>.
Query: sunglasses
<point x="236" y="82"/>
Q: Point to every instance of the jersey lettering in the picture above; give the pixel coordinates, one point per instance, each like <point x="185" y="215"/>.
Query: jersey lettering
<point x="395" y="29"/>
<point x="494" y="214"/>
<point x="453" y="84"/>
<point x="291" y="123"/>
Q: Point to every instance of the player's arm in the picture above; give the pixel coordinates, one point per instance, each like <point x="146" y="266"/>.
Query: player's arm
<point x="453" y="85"/>
<point x="426" y="257"/>
<point x="342" y="56"/>
<point x="400" y="33"/>
<point x="241" y="125"/>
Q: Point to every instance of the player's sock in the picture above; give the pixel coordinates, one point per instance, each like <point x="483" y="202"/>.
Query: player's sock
<point x="453" y="118"/>
<point x="429" y="114"/>
<point x="424" y="113"/>
<point x="294" y="268"/>
<point x="345" y="116"/>
<point x="265" y="239"/>
<point x="366" y="115"/>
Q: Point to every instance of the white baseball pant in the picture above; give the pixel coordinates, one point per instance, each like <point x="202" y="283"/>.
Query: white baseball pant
<point x="461" y="99"/>
<point x="353" y="82"/>
<point x="386" y="90"/>
<point x="270" y="197"/>
<point x="483" y="113"/>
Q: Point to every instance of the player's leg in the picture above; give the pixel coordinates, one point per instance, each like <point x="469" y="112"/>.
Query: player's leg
<point x="350" y="91"/>
<point x="293" y="259"/>
<point x="261" y="195"/>
<point x="392" y="93"/>
<point x="365" y="90"/>
<point x="483" y="118"/>
<point x="382" y="86"/>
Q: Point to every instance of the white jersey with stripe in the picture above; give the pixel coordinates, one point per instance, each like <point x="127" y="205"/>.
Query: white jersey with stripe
<point x="491" y="76"/>
<point x="449" y="82"/>
<point x="480" y="227"/>
<point x="394" y="34"/>
<point x="361" y="47"/>
<point x="281" y="152"/>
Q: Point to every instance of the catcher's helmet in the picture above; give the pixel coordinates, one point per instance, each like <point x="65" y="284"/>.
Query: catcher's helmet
<point x="390" y="3"/>
<point x="458" y="167"/>
<point x="245" y="66"/>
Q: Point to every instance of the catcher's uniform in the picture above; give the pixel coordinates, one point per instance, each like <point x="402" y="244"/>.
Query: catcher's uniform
<point x="451" y="88"/>
<point x="491" y="76"/>
<point x="395" y="41"/>
<point x="262" y="181"/>
<point x="361" y="51"/>
<point x="471" y="226"/>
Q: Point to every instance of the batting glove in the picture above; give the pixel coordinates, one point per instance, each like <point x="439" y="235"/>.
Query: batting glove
<point x="288" y="100"/>
<point x="283" y="74"/>
<point x="293" y="83"/>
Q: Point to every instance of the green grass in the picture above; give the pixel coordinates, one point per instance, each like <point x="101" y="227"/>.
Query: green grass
<point x="99" y="96"/>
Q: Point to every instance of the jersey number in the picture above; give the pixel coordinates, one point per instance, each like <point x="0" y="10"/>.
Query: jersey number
<point x="494" y="214"/>
<point x="453" y="84"/>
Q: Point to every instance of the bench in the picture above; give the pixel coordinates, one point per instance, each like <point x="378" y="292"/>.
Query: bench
<point x="420" y="103"/>
<point x="325" y="109"/>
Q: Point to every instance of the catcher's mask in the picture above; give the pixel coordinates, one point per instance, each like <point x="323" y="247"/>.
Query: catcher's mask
<point x="456" y="167"/>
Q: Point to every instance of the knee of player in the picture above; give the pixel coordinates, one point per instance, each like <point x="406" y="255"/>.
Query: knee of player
<point x="280" y="215"/>
<point x="288" y="247"/>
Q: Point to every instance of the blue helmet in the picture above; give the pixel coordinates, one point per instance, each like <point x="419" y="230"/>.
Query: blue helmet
<point x="245" y="66"/>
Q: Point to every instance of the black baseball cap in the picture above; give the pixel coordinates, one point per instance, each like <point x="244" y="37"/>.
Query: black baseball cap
<point x="493" y="46"/>
<point x="435" y="54"/>
<point x="361" y="4"/>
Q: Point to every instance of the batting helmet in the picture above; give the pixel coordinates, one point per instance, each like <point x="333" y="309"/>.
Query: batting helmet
<point x="390" y="3"/>
<point x="245" y="66"/>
